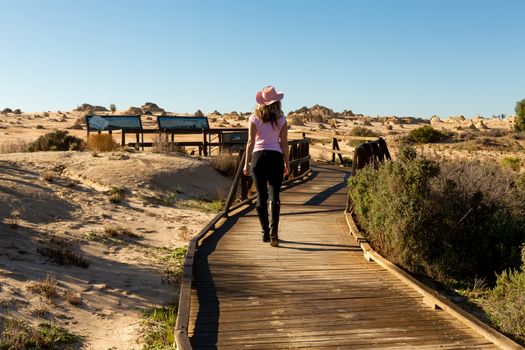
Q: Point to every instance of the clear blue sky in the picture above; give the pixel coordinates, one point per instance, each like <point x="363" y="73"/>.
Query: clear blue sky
<point x="376" y="57"/>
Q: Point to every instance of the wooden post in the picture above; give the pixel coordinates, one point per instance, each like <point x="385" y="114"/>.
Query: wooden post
<point x="219" y="136"/>
<point x="137" y="145"/>
<point x="123" y="139"/>
<point x="204" y="143"/>
<point x="334" y="141"/>
<point x="233" y="191"/>
<point x="339" y="149"/>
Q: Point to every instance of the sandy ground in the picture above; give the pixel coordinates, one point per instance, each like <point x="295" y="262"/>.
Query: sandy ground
<point x="63" y="197"/>
<point x="126" y="275"/>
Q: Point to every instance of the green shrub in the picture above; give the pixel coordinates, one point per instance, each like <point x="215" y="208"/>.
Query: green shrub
<point x="506" y="302"/>
<point x="449" y="221"/>
<point x="425" y="134"/>
<point x="519" y="122"/>
<point x="361" y="131"/>
<point x="512" y="162"/>
<point x="57" y="140"/>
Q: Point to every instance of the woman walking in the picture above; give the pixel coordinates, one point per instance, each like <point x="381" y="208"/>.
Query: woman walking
<point x="267" y="155"/>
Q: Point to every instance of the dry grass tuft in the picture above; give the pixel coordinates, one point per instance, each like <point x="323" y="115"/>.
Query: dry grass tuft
<point x="46" y="287"/>
<point x="163" y="146"/>
<point x="226" y="164"/>
<point x="116" y="194"/>
<point x="13" y="219"/>
<point x="118" y="232"/>
<point x="17" y="146"/>
<point x="101" y="143"/>
<point x="62" y="252"/>
<point x="48" y="175"/>
<point x="74" y="298"/>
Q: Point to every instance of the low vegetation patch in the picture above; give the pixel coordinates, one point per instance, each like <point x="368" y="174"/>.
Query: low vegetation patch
<point x="174" y="260"/>
<point x="112" y="234"/>
<point x="118" y="232"/>
<point x="57" y="140"/>
<point x="425" y="134"/>
<point x="178" y="200"/>
<point x="18" y="334"/>
<point x="157" y="328"/>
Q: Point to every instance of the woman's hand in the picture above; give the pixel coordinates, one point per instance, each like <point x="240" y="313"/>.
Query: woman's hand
<point x="286" y="169"/>
<point x="246" y="171"/>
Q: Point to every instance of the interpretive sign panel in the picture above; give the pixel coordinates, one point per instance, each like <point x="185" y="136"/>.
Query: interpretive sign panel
<point x="167" y="123"/>
<point x="106" y="122"/>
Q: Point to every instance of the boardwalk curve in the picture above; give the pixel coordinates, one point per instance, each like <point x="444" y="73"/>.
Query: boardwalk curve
<point x="315" y="291"/>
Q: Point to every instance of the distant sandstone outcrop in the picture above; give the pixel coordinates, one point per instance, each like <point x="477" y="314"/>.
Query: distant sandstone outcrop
<point x="133" y="111"/>
<point x="151" y="108"/>
<point x="86" y="107"/>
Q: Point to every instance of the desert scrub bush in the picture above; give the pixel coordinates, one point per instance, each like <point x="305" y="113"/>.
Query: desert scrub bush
<point x="450" y="221"/>
<point x="362" y="131"/>
<point x="512" y="162"/>
<point x="17" y="334"/>
<point x="157" y="328"/>
<point x="506" y="302"/>
<point x="101" y="143"/>
<point x="519" y="122"/>
<point x="425" y="134"/>
<point x="226" y="164"/>
<point x="57" y="140"/>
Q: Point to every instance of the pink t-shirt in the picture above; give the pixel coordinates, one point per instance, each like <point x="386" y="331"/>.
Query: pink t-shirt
<point x="267" y="136"/>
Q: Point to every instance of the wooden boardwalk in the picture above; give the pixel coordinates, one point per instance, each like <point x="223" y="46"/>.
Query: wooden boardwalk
<point x="315" y="291"/>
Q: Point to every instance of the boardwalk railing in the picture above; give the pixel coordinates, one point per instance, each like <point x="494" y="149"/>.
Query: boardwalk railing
<point x="335" y="139"/>
<point x="300" y="168"/>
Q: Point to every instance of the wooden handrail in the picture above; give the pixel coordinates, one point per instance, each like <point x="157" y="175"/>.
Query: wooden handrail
<point x="300" y="167"/>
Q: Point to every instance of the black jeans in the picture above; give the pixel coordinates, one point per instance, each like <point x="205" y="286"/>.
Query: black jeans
<point x="267" y="170"/>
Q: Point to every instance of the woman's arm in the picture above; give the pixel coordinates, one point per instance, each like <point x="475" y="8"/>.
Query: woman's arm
<point x="284" y="148"/>
<point x="249" y="148"/>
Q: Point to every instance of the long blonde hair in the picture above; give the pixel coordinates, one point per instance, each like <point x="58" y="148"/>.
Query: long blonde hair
<point x="270" y="113"/>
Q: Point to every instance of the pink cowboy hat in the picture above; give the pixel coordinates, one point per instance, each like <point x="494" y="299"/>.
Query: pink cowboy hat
<point x="268" y="95"/>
